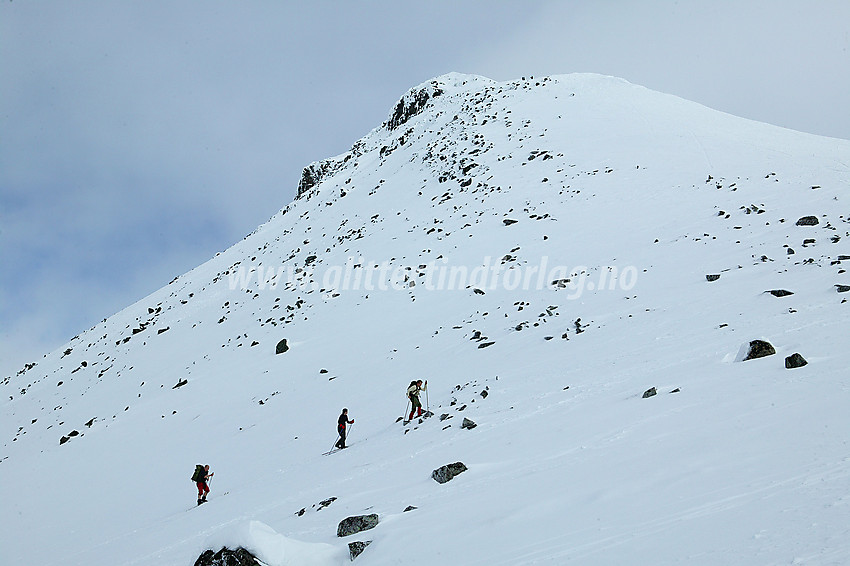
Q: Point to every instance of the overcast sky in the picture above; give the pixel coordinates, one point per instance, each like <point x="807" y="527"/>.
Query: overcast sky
<point x="137" y="139"/>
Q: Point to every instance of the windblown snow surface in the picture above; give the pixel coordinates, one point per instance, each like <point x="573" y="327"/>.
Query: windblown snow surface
<point x="545" y="242"/>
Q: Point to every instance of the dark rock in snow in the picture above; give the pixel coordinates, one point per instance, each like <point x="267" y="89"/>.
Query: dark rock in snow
<point x="227" y="557"/>
<point x="180" y="383"/>
<point x="780" y="293"/>
<point x="409" y="508"/>
<point x="807" y="221"/>
<point x="712" y="277"/>
<point x="448" y="472"/>
<point x="649" y="393"/>
<point x="843" y="288"/>
<point x="509" y="221"/>
<point x="356" y="524"/>
<point x="281" y="347"/>
<point x="759" y="349"/>
<point x="795" y="361"/>
<point x="356" y="547"/>
<point x="468" y="424"/>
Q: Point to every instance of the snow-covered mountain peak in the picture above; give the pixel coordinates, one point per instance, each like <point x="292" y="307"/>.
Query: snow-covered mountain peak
<point x="543" y="251"/>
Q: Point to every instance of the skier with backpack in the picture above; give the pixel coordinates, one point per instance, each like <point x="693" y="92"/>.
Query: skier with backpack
<point x="341" y="423"/>
<point x="416" y="386"/>
<point x="200" y="477"/>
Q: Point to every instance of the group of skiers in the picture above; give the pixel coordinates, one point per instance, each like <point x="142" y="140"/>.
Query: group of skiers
<point x="202" y="472"/>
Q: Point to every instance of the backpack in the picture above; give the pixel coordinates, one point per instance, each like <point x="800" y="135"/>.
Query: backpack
<point x="199" y="473"/>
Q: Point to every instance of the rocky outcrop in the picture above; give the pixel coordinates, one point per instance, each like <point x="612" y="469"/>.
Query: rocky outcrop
<point x="227" y="557"/>
<point x="356" y="524"/>
<point x="412" y="103"/>
<point x="651" y="392"/>
<point x="313" y="174"/>
<point x="446" y="473"/>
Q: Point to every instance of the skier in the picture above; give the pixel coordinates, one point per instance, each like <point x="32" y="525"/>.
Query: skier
<point x="341" y="422"/>
<point x="201" y="479"/>
<point x="413" y="391"/>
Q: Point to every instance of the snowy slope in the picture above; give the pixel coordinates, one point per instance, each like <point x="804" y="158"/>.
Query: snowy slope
<point x="466" y="241"/>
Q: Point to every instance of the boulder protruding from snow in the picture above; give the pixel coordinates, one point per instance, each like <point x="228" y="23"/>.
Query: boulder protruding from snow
<point x="282" y="347"/>
<point x="356" y="524"/>
<point x="226" y="557"/>
<point x="795" y="360"/>
<point x="468" y="423"/>
<point x="356" y="547"/>
<point x="808" y="221"/>
<point x="780" y="293"/>
<point x="712" y="277"/>
<point x="446" y="473"/>
<point x="651" y="392"/>
<point x="759" y="349"/>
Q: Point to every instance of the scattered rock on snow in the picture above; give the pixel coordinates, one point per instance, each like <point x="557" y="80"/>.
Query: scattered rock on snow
<point x="446" y="473"/>
<point x="468" y="424"/>
<point x="795" y="360"/>
<point x="356" y="524"/>
<point x="281" y="347"/>
<point x="649" y="393"/>
<point x="712" y="277"/>
<point x="356" y="547"/>
<point x="759" y="349"/>
<point x="843" y="288"/>
<point x="409" y="508"/>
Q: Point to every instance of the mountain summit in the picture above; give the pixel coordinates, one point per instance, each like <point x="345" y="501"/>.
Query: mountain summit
<point x="628" y="308"/>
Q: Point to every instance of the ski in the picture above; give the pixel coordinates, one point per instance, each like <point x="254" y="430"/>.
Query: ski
<point x="335" y="450"/>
